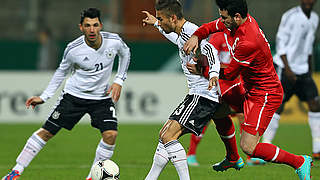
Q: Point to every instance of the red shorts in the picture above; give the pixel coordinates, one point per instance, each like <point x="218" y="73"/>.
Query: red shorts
<point x="258" y="111"/>
<point x="232" y="92"/>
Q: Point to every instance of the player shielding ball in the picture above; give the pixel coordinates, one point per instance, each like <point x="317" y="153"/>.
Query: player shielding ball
<point x="198" y="106"/>
<point x="89" y="58"/>
<point x="252" y="60"/>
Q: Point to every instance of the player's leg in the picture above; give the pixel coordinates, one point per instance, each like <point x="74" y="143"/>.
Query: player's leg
<point x="307" y="91"/>
<point x="60" y="117"/>
<point x="194" y="141"/>
<point x="258" y="114"/>
<point x="169" y="148"/>
<point x="103" y="115"/>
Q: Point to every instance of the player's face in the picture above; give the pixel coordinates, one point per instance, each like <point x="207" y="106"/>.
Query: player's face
<point x="91" y="29"/>
<point x="165" y="22"/>
<point x="307" y="4"/>
<point x="227" y="20"/>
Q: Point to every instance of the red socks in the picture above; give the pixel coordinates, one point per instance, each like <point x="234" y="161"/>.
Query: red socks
<point x="194" y="141"/>
<point x="270" y="152"/>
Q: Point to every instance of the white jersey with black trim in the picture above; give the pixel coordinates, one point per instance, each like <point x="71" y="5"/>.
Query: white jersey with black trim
<point x="197" y="84"/>
<point x="90" y="69"/>
<point x="295" y="38"/>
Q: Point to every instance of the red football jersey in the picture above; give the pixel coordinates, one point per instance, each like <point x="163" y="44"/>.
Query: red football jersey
<point x="250" y="53"/>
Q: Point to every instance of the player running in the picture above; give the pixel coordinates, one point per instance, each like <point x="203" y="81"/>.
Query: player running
<point x="252" y="60"/>
<point x="201" y="102"/>
<point x="89" y="58"/>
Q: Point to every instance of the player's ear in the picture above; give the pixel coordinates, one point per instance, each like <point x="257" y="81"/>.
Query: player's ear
<point x="237" y="17"/>
<point x="80" y="27"/>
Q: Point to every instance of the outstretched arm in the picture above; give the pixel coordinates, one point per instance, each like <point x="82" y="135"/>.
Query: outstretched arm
<point x="151" y="20"/>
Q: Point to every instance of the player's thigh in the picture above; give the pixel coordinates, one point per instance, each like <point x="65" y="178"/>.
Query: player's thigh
<point x="194" y="113"/>
<point x="171" y="130"/>
<point x="258" y="111"/>
<point x="103" y="115"/>
<point x="306" y="88"/>
<point x="65" y="114"/>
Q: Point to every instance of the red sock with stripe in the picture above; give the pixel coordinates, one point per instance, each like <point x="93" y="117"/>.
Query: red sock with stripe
<point x="272" y="153"/>
<point x="226" y="131"/>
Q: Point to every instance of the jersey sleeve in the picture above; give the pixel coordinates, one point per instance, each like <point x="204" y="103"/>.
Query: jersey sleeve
<point x="245" y="52"/>
<point x="213" y="60"/>
<point x="283" y="35"/>
<point x="206" y="29"/>
<point x="173" y="37"/>
<point x="59" y="76"/>
<point x="311" y="35"/>
<point x="124" y="61"/>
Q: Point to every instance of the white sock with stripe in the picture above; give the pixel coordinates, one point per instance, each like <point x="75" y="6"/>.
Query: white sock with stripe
<point x="314" y="122"/>
<point x="104" y="151"/>
<point x="31" y="149"/>
<point x="178" y="157"/>
<point x="160" y="160"/>
<point x="272" y="129"/>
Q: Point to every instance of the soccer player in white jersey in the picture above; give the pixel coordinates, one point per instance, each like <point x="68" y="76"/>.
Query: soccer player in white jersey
<point x="89" y="58"/>
<point x="295" y="38"/>
<point x="199" y="104"/>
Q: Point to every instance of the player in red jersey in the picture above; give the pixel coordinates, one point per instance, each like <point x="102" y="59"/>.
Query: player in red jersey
<point x="252" y="60"/>
<point x="229" y="92"/>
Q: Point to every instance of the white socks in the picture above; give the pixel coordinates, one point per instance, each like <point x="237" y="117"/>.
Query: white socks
<point x="104" y="151"/>
<point x="314" y="122"/>
<point x="30" y="150"/>
<point x="272" y="129"/>
<point x="178" y="157"/>
<point x="160" y="160"/>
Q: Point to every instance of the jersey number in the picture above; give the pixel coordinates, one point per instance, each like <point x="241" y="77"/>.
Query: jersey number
<point x="113" y="112"/>
<point x="99" y="67"/>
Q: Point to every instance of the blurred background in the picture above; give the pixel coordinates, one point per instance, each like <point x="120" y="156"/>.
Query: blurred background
<point x="39" y="29"/>
<point x="34" y="34"/>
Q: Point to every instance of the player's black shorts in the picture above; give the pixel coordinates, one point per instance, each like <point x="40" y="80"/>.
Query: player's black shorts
<point x="194" y="113"/>
<point x="70" y="109"/>
<point x="305" y="87"/>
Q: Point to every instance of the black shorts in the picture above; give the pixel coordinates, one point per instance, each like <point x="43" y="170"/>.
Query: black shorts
<point x="70" y="109"/>
<point x="305" y="87"/>
<point x="194" y="113"/>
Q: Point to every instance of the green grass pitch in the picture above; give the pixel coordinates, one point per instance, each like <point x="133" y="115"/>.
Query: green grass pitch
<point x="69" y="155"/>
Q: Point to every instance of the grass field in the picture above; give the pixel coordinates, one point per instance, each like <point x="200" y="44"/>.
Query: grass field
<point x="69" y="155"/>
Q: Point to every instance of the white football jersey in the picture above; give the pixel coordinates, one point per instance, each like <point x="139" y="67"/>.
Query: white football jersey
<point x="295" y="38"/>
<point x="90" y="69"/>
<point x="197" y="84"/>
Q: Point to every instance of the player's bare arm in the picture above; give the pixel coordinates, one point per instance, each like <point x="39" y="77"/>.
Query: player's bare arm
<point x="115" y="90"/>
<point x="149" y="20"/>
<point x="191" y="45"/>
<point x="287" y="70"/>
<point x="34" y="101"/>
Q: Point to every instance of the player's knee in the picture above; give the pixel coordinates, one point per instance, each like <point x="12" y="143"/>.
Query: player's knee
<point x="247" y="148"/>
<point x="109" y="136"/>
<point x="314" y="105"/>
<point x="44" y="134"/>
<point x="166" y="137"/>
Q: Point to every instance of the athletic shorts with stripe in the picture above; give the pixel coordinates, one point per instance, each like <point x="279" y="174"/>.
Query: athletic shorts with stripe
<point x="232" y="93"/>
<point x="194" y="113"/>
<point x="70" y="109"/>
<point x="259" y="109"/>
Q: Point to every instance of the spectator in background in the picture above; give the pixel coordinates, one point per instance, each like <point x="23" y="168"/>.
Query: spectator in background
<point x="48" y="50"/>
<point x="293" y="62"/>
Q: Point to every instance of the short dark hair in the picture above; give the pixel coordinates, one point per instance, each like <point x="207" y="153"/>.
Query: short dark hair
<point x="233" y="7"/>
<point x="170" y="7"/>
<point x="90" y="13"/>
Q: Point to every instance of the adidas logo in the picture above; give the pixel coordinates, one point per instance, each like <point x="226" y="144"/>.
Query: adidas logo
<point x="86" y="59"/>
<point x="191" y="122"/>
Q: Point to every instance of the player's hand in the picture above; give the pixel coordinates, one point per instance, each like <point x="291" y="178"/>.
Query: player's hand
<point x="192" y="68"/>
<point x="290" y="75"/>
<point x="213" y="82"/>
<point x="149" y="20"/>
<point x="115" y="90"/>
<point x="34" y="101"/>
<point x="191" y="45"/>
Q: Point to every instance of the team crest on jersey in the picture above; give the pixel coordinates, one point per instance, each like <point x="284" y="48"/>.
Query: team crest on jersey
<point x="109" y="53"/>
<point x="55" y="115"/>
